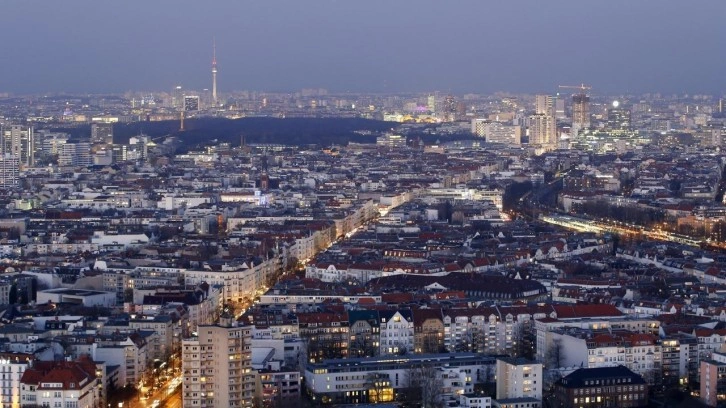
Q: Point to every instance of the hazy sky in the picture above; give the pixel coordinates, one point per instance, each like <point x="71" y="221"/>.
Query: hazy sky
<point x="364" y="45"/>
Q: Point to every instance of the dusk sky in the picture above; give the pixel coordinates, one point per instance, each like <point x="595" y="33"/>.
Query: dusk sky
<point x="617" y="46"/>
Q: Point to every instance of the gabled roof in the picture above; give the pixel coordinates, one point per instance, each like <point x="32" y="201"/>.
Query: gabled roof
<point x="73" y="375"/>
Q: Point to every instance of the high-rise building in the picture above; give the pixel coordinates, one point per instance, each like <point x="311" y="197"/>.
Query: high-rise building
<point x="214" y="74"/>
<point x="216" y="365"/>
<point x="119" y="153"/>
<point x="76" y="154"/>
<point x="177" y="97"/>
<point x="560" y="112"/>
<point x="431" y="104"/>
<point x="48" y="143"/>
<point x="713" y="380"/>
<point x="542" y="130"/>
<point x="478" y="126"/>
<point x="191" y="103"/>
<point x="618" y="117"/>
<point x="18" y="141"/>
<point x="9" y="170"/>
<point x="580" y="111"/>
<point x="102" y="133"/>
<point x="545" y="105"/>
<point x="496" y="132"/>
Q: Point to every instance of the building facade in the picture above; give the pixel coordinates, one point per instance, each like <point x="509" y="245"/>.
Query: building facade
<point x="216" y="366"/>
<point x="713" y="380"/>
<point x="601" y="387"/>
<point x="518" y="378"/>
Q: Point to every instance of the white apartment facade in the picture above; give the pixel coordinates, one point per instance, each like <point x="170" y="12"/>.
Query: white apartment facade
<point x="519" y="378"/>
<point x="396" y="333"/>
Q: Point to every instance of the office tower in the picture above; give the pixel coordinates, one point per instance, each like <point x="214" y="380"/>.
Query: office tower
<point x="138" y="148"/>
<point x="478" y="126"/>
<point x="191" y="103"/>
<point x="580" y="111"/>
<point x="119" y="153"/>
<point x="75" y="154"/>
<point x="545" y="105"/>
<point x="9" y="170"/>
<point x="18" y="141"/>
<point x="560" y="108"/>
<point x="102" y="134"/>
<point x="431" y="104"/>
<point x="618" y="117"/>
<point x="496" y="132"/>
<point x="216" y="365"/>
<point x="214" y="74"/>
<point x="542" y="131"/>
<point x="177" y="97"/>
<point x="449" y="108"/>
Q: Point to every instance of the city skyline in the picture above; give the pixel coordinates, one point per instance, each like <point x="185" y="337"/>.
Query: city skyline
<point x="480" y="47"/>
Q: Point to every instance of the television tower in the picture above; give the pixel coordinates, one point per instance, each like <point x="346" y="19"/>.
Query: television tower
<point x="214" y="73"/>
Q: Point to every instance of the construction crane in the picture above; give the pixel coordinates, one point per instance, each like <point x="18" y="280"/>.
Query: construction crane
<point x="581" y="87"/>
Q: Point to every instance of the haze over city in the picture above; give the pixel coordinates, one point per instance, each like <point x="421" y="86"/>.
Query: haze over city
<point x="619" y="46"/>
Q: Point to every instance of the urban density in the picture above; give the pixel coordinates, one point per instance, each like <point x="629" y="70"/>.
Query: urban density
<point x="210" y="248"/>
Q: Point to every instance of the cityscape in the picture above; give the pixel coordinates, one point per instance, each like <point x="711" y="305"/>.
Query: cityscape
<point x="204" y="244"/>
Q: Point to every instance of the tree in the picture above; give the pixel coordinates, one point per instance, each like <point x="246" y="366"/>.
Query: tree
<point x="432" y="342"/>
<point x="426" y="384"/>
<point x="364" y="345"/>
<point x="555" y="354"/>
<point x="128" y="295"/>
<point x="13" y="296"/>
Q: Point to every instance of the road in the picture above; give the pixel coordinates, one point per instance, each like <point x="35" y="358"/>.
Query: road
<point x="175" y="401"/>
<point x="583" y="224"/>
<point x="161" y="394"/>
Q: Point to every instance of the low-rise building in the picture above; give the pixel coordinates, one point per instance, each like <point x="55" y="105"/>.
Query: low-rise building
<point x="380" y="379"/>
<point x="601" y="387"/>
<point x="60" y="384"/>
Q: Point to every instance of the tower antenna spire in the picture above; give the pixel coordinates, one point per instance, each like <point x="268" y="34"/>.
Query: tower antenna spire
<point x="214" y="72"/>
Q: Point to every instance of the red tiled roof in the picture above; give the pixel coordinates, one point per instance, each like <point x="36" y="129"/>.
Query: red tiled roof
<point x="577" y="311"/>
<point x="73" y="375"/>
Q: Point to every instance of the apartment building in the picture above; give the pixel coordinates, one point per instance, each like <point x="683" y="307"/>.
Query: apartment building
<point x="216" y="365"/>
<point x="518" y="378"/>
<point x="713" y="380"/>
<point x="380" y="379"/>
<point x="12" y="367"/>
<point x="65" y="384"/>
<point x="397" y="333"/>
